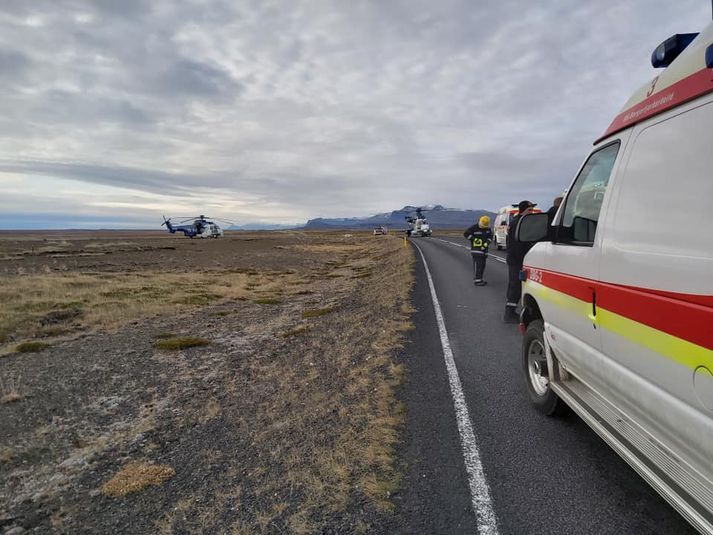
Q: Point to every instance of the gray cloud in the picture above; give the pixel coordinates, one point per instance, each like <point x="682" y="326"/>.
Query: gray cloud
<point x="299" y="109"/>
<point x="152" y="180"/>
<point x="195" y="78"/>
<point x="13" y="63"/>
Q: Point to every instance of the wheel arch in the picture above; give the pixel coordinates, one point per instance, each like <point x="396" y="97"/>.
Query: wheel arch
<point x="530" y="310"/>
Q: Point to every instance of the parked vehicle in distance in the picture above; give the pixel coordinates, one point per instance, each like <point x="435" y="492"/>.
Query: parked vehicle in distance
<point x="380" y="231"/>
<point x="502" y="223"/>
<point x="618" y="304"/>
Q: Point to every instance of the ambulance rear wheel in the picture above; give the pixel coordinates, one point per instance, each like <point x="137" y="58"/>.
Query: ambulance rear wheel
<point x="535" y="367"/>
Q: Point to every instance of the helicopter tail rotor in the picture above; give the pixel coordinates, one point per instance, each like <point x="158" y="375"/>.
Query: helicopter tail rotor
<point x="167" y="224"/>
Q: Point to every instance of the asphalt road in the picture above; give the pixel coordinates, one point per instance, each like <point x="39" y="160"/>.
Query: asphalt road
<point x="545" y="475"/>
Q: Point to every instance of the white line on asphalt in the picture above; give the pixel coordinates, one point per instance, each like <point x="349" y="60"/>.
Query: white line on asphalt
<point x="479" y="490"/>
<point x="491" y="255"/>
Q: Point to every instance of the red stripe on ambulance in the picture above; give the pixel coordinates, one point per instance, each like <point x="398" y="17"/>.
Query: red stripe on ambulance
<point x="693" y="86"/>
<point x="684" y="316"/>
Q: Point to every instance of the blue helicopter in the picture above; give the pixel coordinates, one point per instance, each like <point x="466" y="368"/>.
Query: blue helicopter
<point x="201" y="227"/>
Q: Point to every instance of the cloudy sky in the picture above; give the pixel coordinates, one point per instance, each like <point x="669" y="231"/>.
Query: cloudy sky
<point x="114" y="112"/>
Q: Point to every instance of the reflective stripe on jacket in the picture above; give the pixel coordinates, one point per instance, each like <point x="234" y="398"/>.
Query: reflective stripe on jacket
<point x="479" y="239"/>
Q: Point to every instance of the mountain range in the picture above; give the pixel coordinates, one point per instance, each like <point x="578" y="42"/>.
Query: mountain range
<point x="437" y="215"/>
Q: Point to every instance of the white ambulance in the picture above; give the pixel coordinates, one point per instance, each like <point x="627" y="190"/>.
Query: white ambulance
<point x="618" y="303"/>
<point x="501" y="224"/>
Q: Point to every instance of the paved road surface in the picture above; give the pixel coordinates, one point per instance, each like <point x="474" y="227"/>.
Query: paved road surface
<point x="544" y="475"/>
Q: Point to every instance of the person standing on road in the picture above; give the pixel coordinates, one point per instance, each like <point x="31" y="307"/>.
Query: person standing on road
<point x="552" y="212"/>
<point x="479" y="236"/>
<point x="515" y="257"/>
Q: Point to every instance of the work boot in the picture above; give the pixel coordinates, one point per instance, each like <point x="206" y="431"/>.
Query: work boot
<point x="511" y="315"/>
<point x="480" y="283"/>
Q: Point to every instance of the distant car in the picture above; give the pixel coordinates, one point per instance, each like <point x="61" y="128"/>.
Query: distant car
<point x="380" y="231"/>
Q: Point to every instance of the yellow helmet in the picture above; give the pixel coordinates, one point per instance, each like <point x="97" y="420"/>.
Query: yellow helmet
<point x="484" y="222"/>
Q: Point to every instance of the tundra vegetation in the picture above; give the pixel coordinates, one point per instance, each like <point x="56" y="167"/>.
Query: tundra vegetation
<point x="155" y="384"/>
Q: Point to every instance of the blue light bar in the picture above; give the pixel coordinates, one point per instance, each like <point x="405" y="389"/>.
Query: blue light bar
<point x="670" y="49"/>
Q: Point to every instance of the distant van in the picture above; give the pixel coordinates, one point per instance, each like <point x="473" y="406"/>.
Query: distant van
<point x="617" y="302"/>
<point x="502" y="222"/>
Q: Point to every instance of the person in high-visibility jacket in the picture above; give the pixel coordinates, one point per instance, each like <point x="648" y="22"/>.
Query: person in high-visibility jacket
<point x="479" y="236"/>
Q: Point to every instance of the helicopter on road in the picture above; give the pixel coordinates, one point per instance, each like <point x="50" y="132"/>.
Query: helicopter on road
<point x="419" y="225"/>
<point x="201" y="227"/>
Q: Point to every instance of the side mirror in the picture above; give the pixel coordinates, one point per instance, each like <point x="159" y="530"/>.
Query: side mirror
<point x="533" y="228"/>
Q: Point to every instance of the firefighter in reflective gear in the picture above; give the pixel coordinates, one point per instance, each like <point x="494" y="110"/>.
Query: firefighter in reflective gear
<point x="479" y="236"/>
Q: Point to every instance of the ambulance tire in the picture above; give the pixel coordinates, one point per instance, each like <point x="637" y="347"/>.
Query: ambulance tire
<point x="541" y="396"/>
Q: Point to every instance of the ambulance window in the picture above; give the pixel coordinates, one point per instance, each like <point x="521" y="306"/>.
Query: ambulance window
<point x="584" y="202"/>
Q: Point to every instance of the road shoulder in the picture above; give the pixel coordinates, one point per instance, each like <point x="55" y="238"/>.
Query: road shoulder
<point x="434" y="496"/>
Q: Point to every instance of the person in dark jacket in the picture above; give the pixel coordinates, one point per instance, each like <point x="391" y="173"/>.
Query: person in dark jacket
<point x="479" y="236"/>
<point x="552" y="212"/>
<point x="515" y="258"/>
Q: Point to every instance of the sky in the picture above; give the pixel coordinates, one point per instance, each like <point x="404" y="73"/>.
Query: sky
<point x="113" y="113"/>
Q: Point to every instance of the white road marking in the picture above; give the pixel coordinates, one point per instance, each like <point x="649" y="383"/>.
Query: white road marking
<point x="490" y="255"/>
<point x="479" y="490"/>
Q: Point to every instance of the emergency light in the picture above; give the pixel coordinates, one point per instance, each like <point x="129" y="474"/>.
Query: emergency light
<point x="670" y="49"/>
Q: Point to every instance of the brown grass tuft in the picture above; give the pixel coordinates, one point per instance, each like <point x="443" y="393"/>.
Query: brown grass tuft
<point x="165" y="335"/>
<point x="316" y="312"/>
<point x="136" y="476"/>
<point x="174" y="344"/>
<point x="9" y="398"/>
<point x="31" y="347"/>
<point x="6" y="455"/>
<point x="381" y="488"/>
<point x="302" y="329"/>
<point x="197" y="299"/>
<point x="211" y="410"/>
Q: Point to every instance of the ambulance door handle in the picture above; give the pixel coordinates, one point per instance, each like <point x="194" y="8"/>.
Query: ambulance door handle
<point x="593" y="315"/>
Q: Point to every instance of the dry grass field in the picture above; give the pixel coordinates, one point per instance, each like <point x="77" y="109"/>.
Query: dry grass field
<point x="155" y="384"/>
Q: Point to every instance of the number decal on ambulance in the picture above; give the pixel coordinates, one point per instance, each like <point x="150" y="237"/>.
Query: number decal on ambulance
<point x="653" y="85"/>
<point x="535" y="275"/>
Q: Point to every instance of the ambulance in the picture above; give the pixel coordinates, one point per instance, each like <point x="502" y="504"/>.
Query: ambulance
<point x="502" y="222"/>
<point x="617" y="306"/>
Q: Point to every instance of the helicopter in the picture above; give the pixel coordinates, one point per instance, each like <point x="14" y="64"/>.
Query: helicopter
<point x="201" y="227"/>
<point x="419" y="225"/>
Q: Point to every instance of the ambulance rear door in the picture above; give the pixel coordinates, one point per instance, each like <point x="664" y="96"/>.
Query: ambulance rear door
<point x="656" y="295"/>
